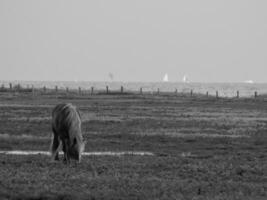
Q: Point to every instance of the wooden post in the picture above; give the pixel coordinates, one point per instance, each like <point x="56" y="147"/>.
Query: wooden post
<point x="56" y="88"/>
<point x="237" y="94"/>
<point x="19" y="87"/>
<point x="255" y="94"/>
<point x="121" y="89"/>
<point x="107" y="89"/>
<point x="92" y="90"/>
<point x="158" y="90"/>
<point x="176" y="91"/>
<point x="80" y="90"/>
<point x="207" y="94"/>
<point x="141" y="90"/>
<point x="67" y="90"/>
<point x="10" y="86"/>
<point x="32" y="90"/>
<point x="217" y="94"/>
<point x="191" y="93"/>
<point x="44" y="89"/>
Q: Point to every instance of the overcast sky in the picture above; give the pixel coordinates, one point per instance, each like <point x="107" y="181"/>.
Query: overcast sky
<point x="134" y="40"/>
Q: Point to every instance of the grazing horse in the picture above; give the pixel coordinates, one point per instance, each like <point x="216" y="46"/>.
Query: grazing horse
<point x="66" y="126"/>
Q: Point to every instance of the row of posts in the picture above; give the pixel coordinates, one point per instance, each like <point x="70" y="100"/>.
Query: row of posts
<point x="121" y="90"/>
<point x="176" y="92"/>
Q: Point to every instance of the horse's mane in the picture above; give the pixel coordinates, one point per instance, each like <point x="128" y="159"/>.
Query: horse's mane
<point x="68" y="116"/>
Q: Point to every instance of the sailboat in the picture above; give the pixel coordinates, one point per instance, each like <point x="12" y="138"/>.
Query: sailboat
<point x="185" y="79"/>
<point x="165" y="78"/>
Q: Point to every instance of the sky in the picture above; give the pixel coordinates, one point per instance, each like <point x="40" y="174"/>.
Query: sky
<point x="133" y="40"/>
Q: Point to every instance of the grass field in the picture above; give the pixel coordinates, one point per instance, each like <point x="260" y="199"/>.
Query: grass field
<point x="204" y="148"/>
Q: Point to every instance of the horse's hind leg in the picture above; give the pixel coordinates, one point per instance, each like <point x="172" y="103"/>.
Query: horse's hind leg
<point x="55" y="146"/>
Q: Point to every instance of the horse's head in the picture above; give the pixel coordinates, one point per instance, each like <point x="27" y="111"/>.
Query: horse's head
<point x="76" y="149"/>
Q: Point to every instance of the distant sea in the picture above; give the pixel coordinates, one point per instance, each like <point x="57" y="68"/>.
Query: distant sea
<point x="224" y="89"/>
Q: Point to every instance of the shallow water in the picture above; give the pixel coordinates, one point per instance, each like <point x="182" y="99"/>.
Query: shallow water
<point x="96" y="153"/>
<point x="224" y="89"/>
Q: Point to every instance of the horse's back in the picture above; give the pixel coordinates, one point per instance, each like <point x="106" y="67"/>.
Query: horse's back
<point x="65" y="117"/>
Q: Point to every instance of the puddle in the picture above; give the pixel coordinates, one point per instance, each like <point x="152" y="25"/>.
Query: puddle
<point x="23" y="136"/>
<point x="94" y="153"/>
<point x="192" y="135"/>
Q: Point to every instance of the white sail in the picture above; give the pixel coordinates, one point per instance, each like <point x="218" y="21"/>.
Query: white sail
<point x="185" y="79"/>
<point x="165" y="78"/>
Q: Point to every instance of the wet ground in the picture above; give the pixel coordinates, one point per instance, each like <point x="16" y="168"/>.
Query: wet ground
<point x="204" y="148"/>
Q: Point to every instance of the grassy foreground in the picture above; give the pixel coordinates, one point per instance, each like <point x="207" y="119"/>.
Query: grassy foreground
<point x="205" y="148"/>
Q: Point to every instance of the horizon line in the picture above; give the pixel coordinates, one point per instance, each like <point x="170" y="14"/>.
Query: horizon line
<point x="121" y="81"/>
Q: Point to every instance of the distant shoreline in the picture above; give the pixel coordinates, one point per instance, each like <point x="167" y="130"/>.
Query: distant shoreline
<point x="223" y="89"/>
